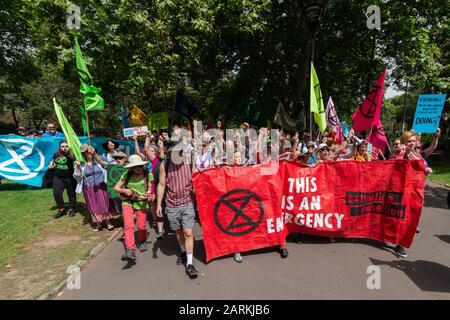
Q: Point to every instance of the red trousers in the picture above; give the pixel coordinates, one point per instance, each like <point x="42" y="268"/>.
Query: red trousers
<point x="128" y="221"/>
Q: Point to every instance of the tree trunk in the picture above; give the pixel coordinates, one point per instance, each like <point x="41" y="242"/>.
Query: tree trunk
<point x="16" y="121"/>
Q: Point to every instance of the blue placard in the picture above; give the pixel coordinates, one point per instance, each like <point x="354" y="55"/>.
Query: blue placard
<point x="345" y="129"/>
<point x="369" y="149"/>
<point x="428" y="113"/>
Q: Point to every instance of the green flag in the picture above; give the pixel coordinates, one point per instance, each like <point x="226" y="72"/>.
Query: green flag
<point x="71" y="137"/>
<point x="316" y="102"/>
<point x="92" y="99"/>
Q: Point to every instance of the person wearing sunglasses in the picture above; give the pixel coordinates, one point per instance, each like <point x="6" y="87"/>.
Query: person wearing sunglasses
<point x="51" y="132"/>
<point x="63" y="164"/>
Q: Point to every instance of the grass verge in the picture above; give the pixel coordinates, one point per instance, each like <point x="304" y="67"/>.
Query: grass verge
<point x="35" y="249"/>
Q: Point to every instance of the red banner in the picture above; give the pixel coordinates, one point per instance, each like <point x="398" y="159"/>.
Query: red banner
<point x="243" y="210"/>
<point x="235" y="206"/>
<point x="380" y="200"/>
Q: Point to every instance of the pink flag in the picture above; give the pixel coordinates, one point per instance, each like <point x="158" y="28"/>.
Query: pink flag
<point x="378" y="137"/>
<point x="369" y="111"/>
<point x="333" y="120"/>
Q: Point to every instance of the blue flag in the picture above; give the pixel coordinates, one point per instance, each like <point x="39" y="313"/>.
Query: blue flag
<point x="25" y="160"/>
<point x="125" y="123"/>
<point x="183" y="106"/>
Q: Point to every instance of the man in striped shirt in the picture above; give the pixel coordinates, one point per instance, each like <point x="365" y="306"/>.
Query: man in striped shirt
<point x="175" y="180"/>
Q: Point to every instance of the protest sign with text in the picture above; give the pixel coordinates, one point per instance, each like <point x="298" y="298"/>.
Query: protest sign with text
<point x="428" y="113"/>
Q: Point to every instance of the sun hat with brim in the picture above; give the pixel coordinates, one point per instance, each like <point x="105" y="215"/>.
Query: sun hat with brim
<point x="84" y="148"/>
<point x="135" y="161"/>
<point x="119" y="155"/>
<point x="323" y="145"/>
<point x="105" y="145"/>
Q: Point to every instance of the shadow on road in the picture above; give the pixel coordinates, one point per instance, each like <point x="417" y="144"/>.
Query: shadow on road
<point x="428" y="276"/>
<point x="435" y="197"/>
<point x="445" y="238"/>
<point x="167" y="246"/>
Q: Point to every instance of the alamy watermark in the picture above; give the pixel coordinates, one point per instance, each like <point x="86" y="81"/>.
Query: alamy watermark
<point x="373" y="15"/>
<point x="74" y="20"/>
<point x="374" y="280"/>
<point x="74" y="279"/>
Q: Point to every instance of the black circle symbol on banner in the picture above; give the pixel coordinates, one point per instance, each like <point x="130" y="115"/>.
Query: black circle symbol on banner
<point x="227" y="200"/>
<point x="379" y="131"/>
<point x="115" y="172"/>
<point x="332" y="117"/>
<point x="369" y="112"/>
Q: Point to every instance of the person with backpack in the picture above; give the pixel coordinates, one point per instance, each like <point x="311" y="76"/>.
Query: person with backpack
<point x="135" y="188"/>
<point x="63" y="163"/>
<point x="91" y="177"/>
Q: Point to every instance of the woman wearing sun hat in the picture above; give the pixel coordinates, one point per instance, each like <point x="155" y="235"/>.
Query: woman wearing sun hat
<point x="135" y="188"/>
<point x="91" y="178"/>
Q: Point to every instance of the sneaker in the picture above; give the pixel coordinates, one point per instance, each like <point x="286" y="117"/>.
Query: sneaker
<point x="238" y="257"/>
<point x="143" y="247"/>
<point x="401" y="251"/>
<point x="58" y="214"/>
<point x="71" y="213"/>
<point x="191" y="271"/>
<point x="284" y="253"/>
<point x="129" y="254"/>
<point x="182" y="259"/>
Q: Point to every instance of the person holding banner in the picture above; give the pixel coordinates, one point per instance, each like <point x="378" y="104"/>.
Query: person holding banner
<point x="135" y="188"/>
<point x="91" y="177"/>
<point x="410" y="151"/>
<point x="63" y="163"/>
<point x="361" y="152"/>
<point x="324" y="154"/>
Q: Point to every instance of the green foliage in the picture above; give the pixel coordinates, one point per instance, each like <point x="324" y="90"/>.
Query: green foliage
<point x="224" y="54"/>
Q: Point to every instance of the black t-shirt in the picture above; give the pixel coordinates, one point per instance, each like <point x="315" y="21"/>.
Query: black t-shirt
<point x="64" y="166"/>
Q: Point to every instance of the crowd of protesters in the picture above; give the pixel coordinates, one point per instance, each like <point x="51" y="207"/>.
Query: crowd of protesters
<point x="155" y="185"/>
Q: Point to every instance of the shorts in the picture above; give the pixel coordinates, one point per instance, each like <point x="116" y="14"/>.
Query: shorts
<point x="181" y="217"/>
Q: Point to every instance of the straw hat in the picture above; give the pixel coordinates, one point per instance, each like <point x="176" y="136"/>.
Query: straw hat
<point x="84" y="148"/>
<point x="135" y="161"/>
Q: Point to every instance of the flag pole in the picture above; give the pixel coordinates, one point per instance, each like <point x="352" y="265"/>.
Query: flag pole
<point x="370" y="133"/>
<point x="87" y="124"/>
<point x="173" y="111"/>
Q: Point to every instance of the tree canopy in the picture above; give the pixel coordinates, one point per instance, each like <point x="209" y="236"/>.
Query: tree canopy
<point x="234" y="59"/>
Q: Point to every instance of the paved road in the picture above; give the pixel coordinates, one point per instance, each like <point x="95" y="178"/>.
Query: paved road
<point x="315" y="269"/>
